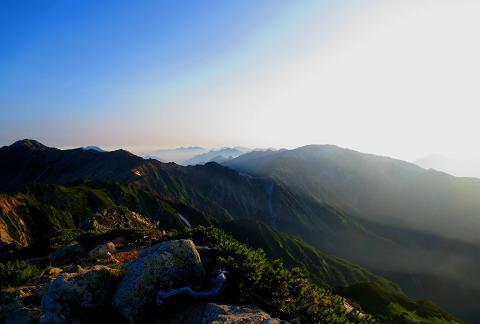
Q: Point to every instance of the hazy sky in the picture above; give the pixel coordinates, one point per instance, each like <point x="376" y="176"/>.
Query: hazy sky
<point x="398" y="78"/>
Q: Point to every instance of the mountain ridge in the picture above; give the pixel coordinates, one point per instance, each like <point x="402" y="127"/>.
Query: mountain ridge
<point x="397" y="200"/>
<point x="221" y="192"/>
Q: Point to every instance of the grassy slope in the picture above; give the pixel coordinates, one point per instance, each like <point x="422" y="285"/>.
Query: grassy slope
<point x="323" y="269"/>
<point x="65" y="207"/>
<point x="395" y="307"/>
<point x="47" y="208"/>
<point x="81" y="199"/>
<point x="426" y="216"/>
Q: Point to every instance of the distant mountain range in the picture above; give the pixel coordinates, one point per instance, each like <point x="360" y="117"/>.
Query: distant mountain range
<point x="196" y="155"/>
<point x="217" y="155"/>
<point x="177" y="155"/>
<point x="454" y="167"/>
<point x="94" y="148"/>
<point x="345" y="216"/>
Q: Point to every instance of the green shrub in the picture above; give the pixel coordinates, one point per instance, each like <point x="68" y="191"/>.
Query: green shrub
<point x="15" y="273"/>
<point x="64" y="237"/>
<point x="252" y="278"/>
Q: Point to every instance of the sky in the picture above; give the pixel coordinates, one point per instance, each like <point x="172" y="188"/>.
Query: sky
<point x="396" y="78"/>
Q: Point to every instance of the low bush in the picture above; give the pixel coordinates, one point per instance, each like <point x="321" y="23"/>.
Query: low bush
<point x="252" y="278"/>
<point x="16" y="273"/>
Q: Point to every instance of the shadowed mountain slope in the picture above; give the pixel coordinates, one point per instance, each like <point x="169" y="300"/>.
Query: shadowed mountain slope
<point x="288" y="200"/>
<point x="324" y="269"/>
<point x="378" y="189"/>
<point x="216" y="190"/>
<point x="73" y="185"/>
<point x="430" y="220"/>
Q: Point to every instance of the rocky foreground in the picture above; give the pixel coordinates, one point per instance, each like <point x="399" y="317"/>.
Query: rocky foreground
<point x="120" y="280"/>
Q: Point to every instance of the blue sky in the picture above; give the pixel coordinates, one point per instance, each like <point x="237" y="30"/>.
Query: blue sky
<point x="381" y="77"/>
<point x="68" y="58"/>
<point x="80" y="61"/>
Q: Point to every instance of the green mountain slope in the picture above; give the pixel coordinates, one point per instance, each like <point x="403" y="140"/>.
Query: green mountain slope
<point x="393" y="306"/>
<point x="41" y="210"/>
<point x="379" y="189"/>
<point x="429" y="221"/>
<point x="215" y="190"/>
<point x="323" y="269"/>
<point x="47" y="210"/>
<point x="77" y="183"/>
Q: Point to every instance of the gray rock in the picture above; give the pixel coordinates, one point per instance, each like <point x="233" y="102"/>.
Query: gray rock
<point x="66" y="253"/>
<point x="102" y="251"/>
<point x="234" y="314"/>
<point x="83" y="296"/>
<point x="23" y="315"/>
<point x="216" y="313"/>
<point x="163" y="266"/>
<point x="9" y="308"/>
<point x="13" y="309"/>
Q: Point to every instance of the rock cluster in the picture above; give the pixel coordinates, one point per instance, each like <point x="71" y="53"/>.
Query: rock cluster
<point x="79" y="297"/>
<point x="126" y="293"/>
<point x="14" y="311"/>
<point x="218" y="313"/>
<point x="115" y="218"/>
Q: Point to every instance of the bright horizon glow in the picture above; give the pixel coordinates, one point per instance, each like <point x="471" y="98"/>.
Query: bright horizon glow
<point x="399" y="79"/>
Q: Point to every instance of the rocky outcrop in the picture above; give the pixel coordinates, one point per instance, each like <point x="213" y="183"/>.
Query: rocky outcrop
<point x="79" y="296"/>
<point x="66" y="253"/>
<point x="14" y="312"/>
<point x="161" y="267"/>
<point x="13" y="227"/>
<point x="217" y="313"/>
<point x="127" y="293"/>
<point x="23" y="315"/>
<point x="113" y="218"/>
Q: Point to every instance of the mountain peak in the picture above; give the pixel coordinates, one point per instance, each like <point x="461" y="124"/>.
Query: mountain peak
<point x="92" y="148"/>
<point x="29" y="144"/>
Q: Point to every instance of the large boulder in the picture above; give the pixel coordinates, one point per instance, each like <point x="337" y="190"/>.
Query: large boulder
<point x="66" y="253"/>
<point x="13" y="311"/>
<point x="163" y="266"/>
<point x="78" y="297"/>
<point x="216" y="313"/>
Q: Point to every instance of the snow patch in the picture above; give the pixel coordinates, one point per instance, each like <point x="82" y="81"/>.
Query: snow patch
<point x="184" y="220"/>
